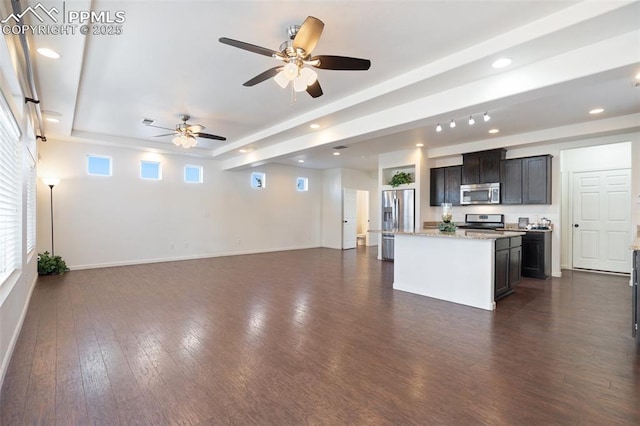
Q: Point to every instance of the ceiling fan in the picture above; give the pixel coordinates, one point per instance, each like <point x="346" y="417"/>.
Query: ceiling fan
<point x="296" y="55"/>
<point x="185" y="134"/>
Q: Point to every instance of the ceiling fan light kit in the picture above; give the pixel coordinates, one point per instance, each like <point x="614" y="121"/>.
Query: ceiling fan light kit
<point x="184" y="135"/>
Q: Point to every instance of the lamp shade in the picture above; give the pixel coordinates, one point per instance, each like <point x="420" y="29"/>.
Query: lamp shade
<point x="290" y="71"/>
<point x="51" y="181"/>
<point x="281" y="79"/>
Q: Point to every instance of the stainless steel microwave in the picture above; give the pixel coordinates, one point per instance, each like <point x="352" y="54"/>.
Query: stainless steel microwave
<point x="480" y="193"/>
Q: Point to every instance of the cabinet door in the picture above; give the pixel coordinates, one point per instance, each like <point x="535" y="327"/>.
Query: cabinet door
<point x="436" y="193"/>
<point x="533" y="255"/>
<point x="511" y="183"/>
<point x="502" y="272"/>
<point x="515" y="265"/>
<point x="490" y="168"/>
<point x="470" y="169"/>
<point x="452" y="179"/>
<point x="536" y="180"/>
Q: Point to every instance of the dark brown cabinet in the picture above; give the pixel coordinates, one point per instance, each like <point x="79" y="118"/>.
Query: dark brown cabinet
<point x="511" y="185"/>
<point x="508" y="265"/>
<point x="536" y="254"/>
<point x="536" y="180"/>
<point x="526" y="180"/>
<point x="482" y="167"/>
<point x="445" y="185"/>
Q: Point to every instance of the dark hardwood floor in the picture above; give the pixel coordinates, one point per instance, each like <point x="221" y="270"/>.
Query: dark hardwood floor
<point x="317" y="337"/>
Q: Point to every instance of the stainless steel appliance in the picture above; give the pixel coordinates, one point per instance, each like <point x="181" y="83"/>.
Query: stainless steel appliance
<point x="489" y="222"/>
<point x="480" y="193"/>
<point x="398" y="212"/>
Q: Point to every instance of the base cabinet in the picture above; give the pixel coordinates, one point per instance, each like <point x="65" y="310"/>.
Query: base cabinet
<point x="508" y="264"/>
<point x="536" y="255"/>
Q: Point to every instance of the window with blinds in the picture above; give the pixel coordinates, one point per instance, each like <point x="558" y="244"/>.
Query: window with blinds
<point x="31" y="206"/>
<point x="10" y="179"/>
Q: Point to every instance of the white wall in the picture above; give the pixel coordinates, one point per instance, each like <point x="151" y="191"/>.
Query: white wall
<point x="15" y="291"/>
<point x="104" y="221"/>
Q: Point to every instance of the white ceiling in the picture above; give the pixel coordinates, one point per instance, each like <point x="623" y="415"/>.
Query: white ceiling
<point x="431" y="62"/>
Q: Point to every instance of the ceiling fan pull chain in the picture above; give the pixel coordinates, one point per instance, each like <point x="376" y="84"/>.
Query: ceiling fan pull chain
<point x="293" y="96"/>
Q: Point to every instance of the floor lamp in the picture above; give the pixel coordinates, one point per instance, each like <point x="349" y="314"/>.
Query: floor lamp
<point x="51" y="182"/>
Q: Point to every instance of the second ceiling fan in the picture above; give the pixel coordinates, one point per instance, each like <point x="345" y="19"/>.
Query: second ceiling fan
<point x="296" y="55"/>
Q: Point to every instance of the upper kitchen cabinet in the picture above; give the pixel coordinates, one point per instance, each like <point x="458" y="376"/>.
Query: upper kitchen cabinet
<point x="482" y="167"/>
<point x="445" y="185"/>
<point x="526" y="180"/>
<point x="511" y="184"/>
<point x="536" y="180"/>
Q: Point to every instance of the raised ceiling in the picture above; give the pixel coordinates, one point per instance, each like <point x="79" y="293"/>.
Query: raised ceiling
<point x="431" y="62"/>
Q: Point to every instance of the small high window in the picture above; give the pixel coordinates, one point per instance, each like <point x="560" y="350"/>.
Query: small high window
<point x="193" y="174"/>
<point x="150" y="170"/>
<point x="302" y="184"/>
<point x="98" y="165"/>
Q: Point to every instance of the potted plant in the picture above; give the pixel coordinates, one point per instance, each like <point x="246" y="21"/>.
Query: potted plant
<point x="400" y="178"/>
<point x="50" y="265"/>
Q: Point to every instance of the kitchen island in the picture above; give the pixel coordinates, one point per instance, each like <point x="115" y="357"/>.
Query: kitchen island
<point x="458" y="267"/>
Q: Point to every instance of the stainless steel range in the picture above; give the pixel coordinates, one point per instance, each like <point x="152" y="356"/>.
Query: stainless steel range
<point x="488" y="222"/>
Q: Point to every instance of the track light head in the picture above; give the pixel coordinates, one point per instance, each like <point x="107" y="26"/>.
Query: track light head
<point x="471" y="120"/>
<point x="486" y="116"/>
<point x="452" y="124"/>
<point x="438" y="128"/>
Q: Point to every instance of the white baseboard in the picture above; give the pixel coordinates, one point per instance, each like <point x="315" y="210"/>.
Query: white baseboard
<point x="190" y="257"/>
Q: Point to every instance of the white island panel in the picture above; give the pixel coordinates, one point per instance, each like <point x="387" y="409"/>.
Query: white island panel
<point x="459" y="270"/>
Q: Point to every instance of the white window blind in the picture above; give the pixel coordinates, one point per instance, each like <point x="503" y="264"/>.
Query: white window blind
<point x="10" y="179"/>
<point x="31" y="207"/>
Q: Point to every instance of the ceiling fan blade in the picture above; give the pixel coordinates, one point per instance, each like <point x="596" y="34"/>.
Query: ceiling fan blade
<point x="165" y="134"/>
<point x="330" y="62"/>
<point x="308" y="34"/>
<point x="158" y="127"/>
<point x="247" y="46"/>
<point x="209" y="136"/>
<point x="263" y="76"/>
<point x="315" y="90"/>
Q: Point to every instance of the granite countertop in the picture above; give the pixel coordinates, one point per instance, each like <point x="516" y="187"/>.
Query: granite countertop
<point x="460" y="233"/>
<point x="636" y="244"/>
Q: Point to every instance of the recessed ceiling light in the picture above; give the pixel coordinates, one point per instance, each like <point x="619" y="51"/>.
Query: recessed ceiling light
<point x="44" y="51"/>
<point x="243" y="151"/>
<point x="638" y="76"/>
<point x="52" y="120"/>
<point x="314" y="126"/>
<point x="419" y="145"/>
<point x="596" y="111"/>
<point x="336" y="153"/>
<point x="493" y="131"/>
<point x="501" y="63"/>
<point x="300" y="161"/>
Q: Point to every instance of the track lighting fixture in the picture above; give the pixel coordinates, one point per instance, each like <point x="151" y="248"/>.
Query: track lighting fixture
<point x="452" y="124"/>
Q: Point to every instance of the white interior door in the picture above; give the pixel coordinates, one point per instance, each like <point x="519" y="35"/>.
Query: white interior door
<point x="602" y="220"/>
<point x="349" y="218"/>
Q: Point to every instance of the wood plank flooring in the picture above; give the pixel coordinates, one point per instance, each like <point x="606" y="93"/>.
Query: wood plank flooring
<point x="317" y="337"/>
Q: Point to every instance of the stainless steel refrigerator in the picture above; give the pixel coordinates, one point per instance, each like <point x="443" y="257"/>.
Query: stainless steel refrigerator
<point x="398" y="213"/>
